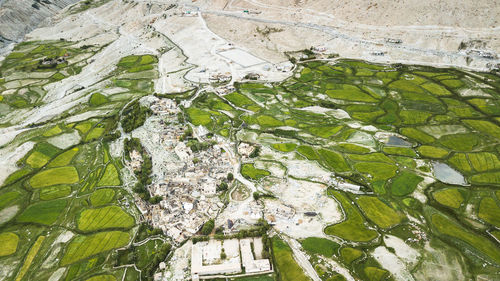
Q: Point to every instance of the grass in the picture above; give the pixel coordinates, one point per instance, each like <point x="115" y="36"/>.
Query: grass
<point x="9" y="242"/>
<point x="333" y="160"/>
<point x="486" y="178"/>
<point x="436" y="89"/>
<point x="83" y="246"/>
<point x="284" y="147"/>
<point x="352" y="148"/>
<point x="405" y="183"/>
<point x="378" y="212"/>
<point x="199" y="117"/>
<point x="350" y="93"/>
<point x="64" y="158"/>
<point x="47" y="149"/>
<point x="17" y="175"/>
<point x="104" y="218"/>
<point x="353" y="227"/>
<point x="97" y="99"/>
<point x="372" y="157"/>
<point x="477" y="242"/>
<point x="489" y="211"/>
<point x="375" y="273"/>
<point x="308" y="152"/>
<point x="403" y="151"/>
<point x="255" y="278"/>
<point x="484" y="161"/>
<point x="37" y="159"/>
<point x="84" y="127"/>
<point x="432" y="152"/>
<point x="43" y="213"/>
<point x="406" y="86"/>
<point x="325" y="132"/>
<point x="450" y="197"/>
<point x="29" y="258"/>
<point x="54" y="176"/>
<point x="52" y="131"/>
<point x="54" y="192"/>
<point x="414" y="117"/>
<point x="460" y="162"/>
<point x="102" y="278"/>
<point x="377" y="171"/>
<point x="249" y="171"/>
<point x="288" y="268"/>
<point x="320" y="246"/>
<point x="350" y="254"/>
<point x="238" y="99"/>
<point x="95" y="134"/>
<point x="8" y="197"/>
<point x="268" y="121"/>
<point x="484" y="127"/>
<point x="417" y="135"/>
<point x="460" y="142"/>
<point x="110" y="177"/>
<point x="102" y="196"/>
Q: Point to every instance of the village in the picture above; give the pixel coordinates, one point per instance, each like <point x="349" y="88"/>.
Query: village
<point x="186" y="181"/>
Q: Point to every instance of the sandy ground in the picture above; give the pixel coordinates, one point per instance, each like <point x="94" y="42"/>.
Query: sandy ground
<point x="431" y="32"/>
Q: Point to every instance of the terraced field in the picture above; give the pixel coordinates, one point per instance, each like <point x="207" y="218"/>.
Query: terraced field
<point x="65" y="210"/>
<point x="422" y="150"/>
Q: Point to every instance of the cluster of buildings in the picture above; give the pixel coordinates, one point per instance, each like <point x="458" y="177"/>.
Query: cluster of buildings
<point x="228" y="257"/>
<point x="186" y="180"/>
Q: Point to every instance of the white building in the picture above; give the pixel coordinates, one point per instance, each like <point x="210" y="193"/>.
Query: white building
<point x="250" y="264"/>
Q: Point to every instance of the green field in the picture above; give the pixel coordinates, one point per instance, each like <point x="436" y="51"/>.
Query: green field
<point x="54" y="192"/>
<point x="9" y="242"/>
<point x="82" y="247"/>
<point x="432" y="151"/>
<point x="54" y="176"/>
<point x="64" y="158"/>
<point x="97" y="99"/>
<point x="353" y="227"/>
<point x="29" y="258"/>
<point x="320" y="246"/>
<point x="378" y="212"/>
<point x="288" y="268"/>
<point x="489" y="211"/>
<point x="249" y="171"/>
<point x="102" y="196"/>
<point x="102" y="278"/>
<point x="104" y="218"/>
<point x="44" y="212"/>
<point x="350" y="254"/>
<point x="110" y="177"/>
<point x="405" y="183"/>
<point x="284" y="147"/>
<point x="477" y="242"/>
<point x="450" y="197"/>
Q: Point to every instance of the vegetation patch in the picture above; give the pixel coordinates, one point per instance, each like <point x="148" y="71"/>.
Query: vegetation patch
<point x="43" y="212"/>
<point x="489" y="211"/>
<point x="378" y="212"/>
<point x="404" y="151"/>
<point x="320" y="246"/>
<point x="460" y="142"/>
<point x="199" y="117"/>
<point x="104" y="218"/>
<point x="308" y="152"/>
<point x="54" y="192"/>
<point x="55" y="176"/>
<point x="478" y="242"/>
<point x="64" y="158"/>
<point x="450" y="197"/>
<point x="249" y="171"/>
<point x="333" y="160"/>
<point x="405" y="183"/>
<point x="102" y="196"/>
<point x="284" y="147"/>
<point x="97" y="99"/>
<point x="350" y="93"/>
<point x="377" y="171"/>
<point x="9" y="241"/>
<point x="353" y="227"/>
<point x="82" y="247"/>
<point x="37" y="159"/>
<point x="102" y="278"/>
<point x="432" y="152"/>
<point x="287" y="267"/>
<point x="417" y="135"/>
<point x="350" y="254"/>
<point x="110" y="177"/>
<point x="30" y="257"/>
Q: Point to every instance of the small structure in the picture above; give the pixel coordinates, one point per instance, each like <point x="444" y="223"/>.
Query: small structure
<point x="250" y="264"/>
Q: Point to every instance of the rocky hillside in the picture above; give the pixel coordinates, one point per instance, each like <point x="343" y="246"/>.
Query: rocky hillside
<point x="18" y="17"/>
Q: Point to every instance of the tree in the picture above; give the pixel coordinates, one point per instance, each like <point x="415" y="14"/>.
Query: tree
<point x="208" y="227"/>
<point x="155" y="199"/>
<point x="230" y="177"/>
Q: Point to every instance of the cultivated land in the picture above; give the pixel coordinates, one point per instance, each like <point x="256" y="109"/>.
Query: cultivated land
<point x="384" y="168"/>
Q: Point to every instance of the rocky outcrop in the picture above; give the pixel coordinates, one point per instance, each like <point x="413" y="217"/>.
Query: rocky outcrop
<point x="18" y="17"/>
